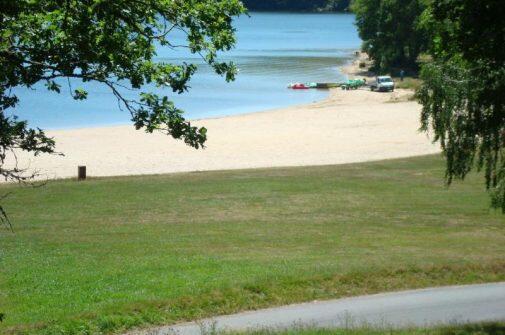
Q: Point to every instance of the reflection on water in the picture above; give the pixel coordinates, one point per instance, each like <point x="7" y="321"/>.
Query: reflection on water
<point x="272" y="51"/>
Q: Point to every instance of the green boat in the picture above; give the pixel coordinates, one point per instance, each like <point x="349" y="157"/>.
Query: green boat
<point x="354" y="84"/>
<point x="328" y="85"/>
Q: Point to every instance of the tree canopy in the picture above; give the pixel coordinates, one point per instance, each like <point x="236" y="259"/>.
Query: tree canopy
<point x="111" y="42"/>
<point x="462" y="83"/>
<point x="391" y="31"/>
<point x="463" y="89"/>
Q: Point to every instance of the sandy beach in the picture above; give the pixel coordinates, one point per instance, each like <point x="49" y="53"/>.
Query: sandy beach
<point x="347" y="127"/>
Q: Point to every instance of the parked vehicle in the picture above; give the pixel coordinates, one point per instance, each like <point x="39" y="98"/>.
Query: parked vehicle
<point x="383" y="84"/>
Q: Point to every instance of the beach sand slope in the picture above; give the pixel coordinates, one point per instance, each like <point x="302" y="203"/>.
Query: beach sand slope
<point x="349" y="126"/>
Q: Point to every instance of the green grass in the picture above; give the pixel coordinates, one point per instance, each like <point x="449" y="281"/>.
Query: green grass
<point x="471" y="329"/>
<point x="110" y="254"/>
<point x="410" y="83"/>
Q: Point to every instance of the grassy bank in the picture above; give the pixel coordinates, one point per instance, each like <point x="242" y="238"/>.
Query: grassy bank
<point x="475" y="329"/>
<point x="111" y="254"/>
<point x="409" y="83"/>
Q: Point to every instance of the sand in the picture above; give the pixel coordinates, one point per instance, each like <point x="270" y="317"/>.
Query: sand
<point x="347" y="127"/>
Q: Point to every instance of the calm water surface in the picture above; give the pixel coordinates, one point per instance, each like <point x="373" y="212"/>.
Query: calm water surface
<point x="272" y="50"/>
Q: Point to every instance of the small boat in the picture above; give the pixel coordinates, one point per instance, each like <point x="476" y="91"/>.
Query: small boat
<point x="305" y="86"/>
<point x="328" y="85"/>
<point x="298" y="86"/>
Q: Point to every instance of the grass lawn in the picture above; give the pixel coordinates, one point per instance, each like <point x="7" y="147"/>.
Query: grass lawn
<point x="408" y="83"/>
<point x="111" y="254"/>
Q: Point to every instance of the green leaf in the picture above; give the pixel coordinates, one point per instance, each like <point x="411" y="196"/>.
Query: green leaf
<point x="80" y="94"/>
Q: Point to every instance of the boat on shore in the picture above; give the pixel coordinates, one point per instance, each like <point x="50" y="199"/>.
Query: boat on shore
<point x="306" y="86"/>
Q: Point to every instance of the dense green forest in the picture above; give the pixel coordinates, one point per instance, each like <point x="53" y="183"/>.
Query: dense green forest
<point x="297" y="5"/>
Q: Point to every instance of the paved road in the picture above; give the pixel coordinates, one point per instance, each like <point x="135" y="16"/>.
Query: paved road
<point x="474" y="303"/>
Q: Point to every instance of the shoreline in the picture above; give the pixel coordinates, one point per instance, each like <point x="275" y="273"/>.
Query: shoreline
<point x="351" y="68"/>
<point x="344" y="70"/>
<point x="341" y="68"/>
<point x="49" y="130"/>
<point x="346" y="127"/>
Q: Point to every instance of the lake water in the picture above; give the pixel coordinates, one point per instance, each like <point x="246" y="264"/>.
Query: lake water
<point x="273" y="50"/>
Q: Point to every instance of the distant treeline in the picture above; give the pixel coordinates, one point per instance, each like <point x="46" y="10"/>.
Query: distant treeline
<point x="297" y="5"/>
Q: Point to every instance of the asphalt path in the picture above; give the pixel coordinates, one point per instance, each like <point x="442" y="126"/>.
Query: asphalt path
<point x="416" y="308"/>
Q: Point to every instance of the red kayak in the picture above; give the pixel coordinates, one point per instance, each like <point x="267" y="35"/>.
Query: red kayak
<point x="299" y="87"/>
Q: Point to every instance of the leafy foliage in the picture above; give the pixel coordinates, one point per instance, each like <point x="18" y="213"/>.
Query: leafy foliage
<point x="463" y="84"/>
<point x="111" y="42"/>
<point x="391" y="31"/>
<point x="462" y="93"/>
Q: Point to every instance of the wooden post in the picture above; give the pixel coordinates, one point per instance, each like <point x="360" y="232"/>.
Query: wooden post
<point x="81" y="173"/>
